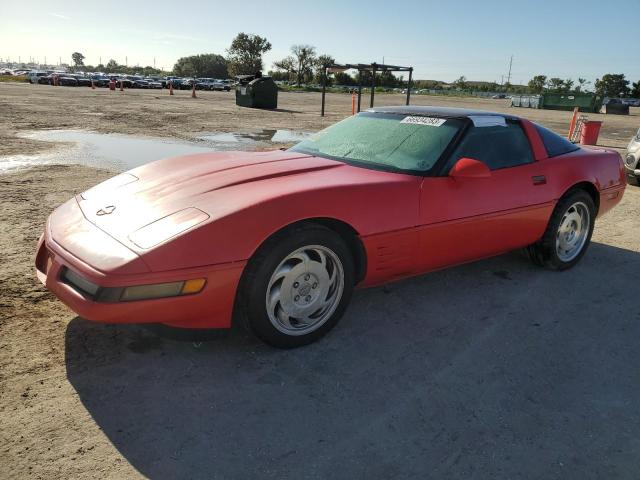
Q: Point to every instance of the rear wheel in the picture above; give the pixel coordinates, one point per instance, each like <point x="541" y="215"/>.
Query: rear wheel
<point x="297" y="286"/>
<point x="568" y="233"/>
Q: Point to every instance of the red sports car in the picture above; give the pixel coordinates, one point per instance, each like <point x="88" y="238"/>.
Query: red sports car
<point x="278" y="240"/>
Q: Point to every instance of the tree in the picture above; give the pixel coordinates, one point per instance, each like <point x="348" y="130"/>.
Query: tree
<point x="287" y="64"/>
<point x="427" y="84"/>
<point x="278" y="75"/>
<point x="78" y="59"/>
<point x="460" y="83"/>
<point x="305" y="58"/>
<point x="322" y="63"/>
<point x="244" y="56"/>
<point x="207" y="65"/>
<point x="567" y="85"/>
<point x="612" y="85"/>
<point x="112" y="66"/>
<point x="582" y="84"/>
<point x="635" y="91"/>
<point x="537" y="83"/>
<point x="555" y="84"/>
<point x="388" y="79"/>
<point x="184" y="68"/>
<point x="343" y="78"/>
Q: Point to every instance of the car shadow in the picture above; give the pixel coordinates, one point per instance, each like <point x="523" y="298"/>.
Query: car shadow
<point x="496" y="369"/>
<point x="285" y="110"/>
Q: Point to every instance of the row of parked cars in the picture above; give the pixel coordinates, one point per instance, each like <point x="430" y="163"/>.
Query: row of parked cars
<point x="126" y="81"/>
<point x="201" y="83"/>
<point x="97" y="79"/>
<point x="632" y="102"/>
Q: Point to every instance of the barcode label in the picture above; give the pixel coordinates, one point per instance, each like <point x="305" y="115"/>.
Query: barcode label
<point x="430" y="121"/>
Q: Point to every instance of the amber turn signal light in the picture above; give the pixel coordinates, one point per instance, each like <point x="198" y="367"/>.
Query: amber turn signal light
<point x="193" y="286"/>
<point x="162" y="290"/>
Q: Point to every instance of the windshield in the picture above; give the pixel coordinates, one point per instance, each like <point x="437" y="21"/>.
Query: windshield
<point x="390" y="141"/>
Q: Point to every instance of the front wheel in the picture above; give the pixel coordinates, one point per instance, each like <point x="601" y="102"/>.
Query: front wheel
<point x="568" y="233"/>
<point x="297" y="286"/>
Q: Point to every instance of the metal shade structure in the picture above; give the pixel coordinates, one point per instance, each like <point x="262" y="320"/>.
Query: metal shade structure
<point x="364" y="67"/>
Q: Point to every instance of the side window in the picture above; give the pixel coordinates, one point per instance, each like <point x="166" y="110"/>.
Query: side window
<point x="498" y="147"/>
<point x="554" y="143"/>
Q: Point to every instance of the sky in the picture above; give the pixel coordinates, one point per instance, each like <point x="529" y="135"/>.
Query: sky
<point x="441" y="40"/>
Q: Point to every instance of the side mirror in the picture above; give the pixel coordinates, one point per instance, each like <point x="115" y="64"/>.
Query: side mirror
<point x="469" y="168"/>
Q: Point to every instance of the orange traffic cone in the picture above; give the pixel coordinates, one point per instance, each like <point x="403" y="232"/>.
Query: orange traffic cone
<point x="170" y="88"/>
<point x="193" y="91"/>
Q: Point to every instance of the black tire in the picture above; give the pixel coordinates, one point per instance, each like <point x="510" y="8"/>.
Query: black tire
<point x="251" y="305"/>
<point x="633" y="180"/>
<point x="544" y="252"/>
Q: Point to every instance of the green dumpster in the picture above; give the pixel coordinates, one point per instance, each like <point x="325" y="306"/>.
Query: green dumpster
<point x="255" y="91"/>
<point x="587" y="102"/>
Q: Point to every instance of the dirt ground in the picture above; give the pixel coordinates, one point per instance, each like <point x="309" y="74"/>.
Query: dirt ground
<point x="496" y="369"/>
<point x="155" y="113"/>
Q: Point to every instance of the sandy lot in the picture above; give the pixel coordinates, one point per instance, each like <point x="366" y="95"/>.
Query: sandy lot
<point x="155" y="113"/>
<point x="495" y="369"/>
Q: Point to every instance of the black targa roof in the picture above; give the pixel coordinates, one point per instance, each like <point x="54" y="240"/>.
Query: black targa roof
<point x="445" y="112"/>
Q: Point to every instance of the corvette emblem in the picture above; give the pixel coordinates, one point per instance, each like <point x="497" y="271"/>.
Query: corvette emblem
<point x="106" y="210"/>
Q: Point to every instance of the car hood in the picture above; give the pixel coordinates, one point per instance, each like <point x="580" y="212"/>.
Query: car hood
<point x="180" y="193"/>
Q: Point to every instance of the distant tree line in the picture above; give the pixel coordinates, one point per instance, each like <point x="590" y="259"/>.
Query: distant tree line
<point x="112" y="67"/>
<point x="610" y="85"/>
<point x="244" y="57"/>
<point x="303" y="65"/>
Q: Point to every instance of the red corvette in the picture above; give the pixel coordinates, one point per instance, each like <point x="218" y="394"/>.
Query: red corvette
<point x="279" y="239"/>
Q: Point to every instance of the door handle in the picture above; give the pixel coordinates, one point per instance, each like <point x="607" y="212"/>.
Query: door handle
<point x="539" y="180"/>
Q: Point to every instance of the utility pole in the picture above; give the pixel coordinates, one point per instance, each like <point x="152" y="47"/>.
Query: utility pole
<point x="509" y="76"/>
<point x="154" y="62"/>
<point x="126" y="61"/>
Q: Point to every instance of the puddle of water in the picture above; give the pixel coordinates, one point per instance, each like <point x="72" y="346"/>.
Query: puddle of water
<point x="110" y="151"/>
<point x="264" y="135"/>
<point x="123" y="152"/>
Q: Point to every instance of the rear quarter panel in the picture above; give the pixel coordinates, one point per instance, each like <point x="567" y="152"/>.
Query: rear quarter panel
<point x="600" y="167"/>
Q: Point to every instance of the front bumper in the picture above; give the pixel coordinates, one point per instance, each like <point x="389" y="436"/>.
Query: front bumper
<point x="632" y="173"/>
<point x="211" y="308"/>
<point x="632" y="163"/>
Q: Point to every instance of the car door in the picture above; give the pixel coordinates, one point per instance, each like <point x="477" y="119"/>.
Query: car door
<point x="468" y="218"/>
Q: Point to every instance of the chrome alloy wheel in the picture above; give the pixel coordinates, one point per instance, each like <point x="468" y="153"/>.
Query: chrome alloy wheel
<point x="304" y="290"/>
<point x="573" y="231"/>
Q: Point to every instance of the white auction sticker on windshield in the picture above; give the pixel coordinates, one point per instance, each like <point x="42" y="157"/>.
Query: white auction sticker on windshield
<point x="430" y="121"/>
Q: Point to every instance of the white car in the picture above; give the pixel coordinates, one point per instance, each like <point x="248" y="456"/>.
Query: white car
<point x="35" y="75"/>
<point x="632" y="160"/>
